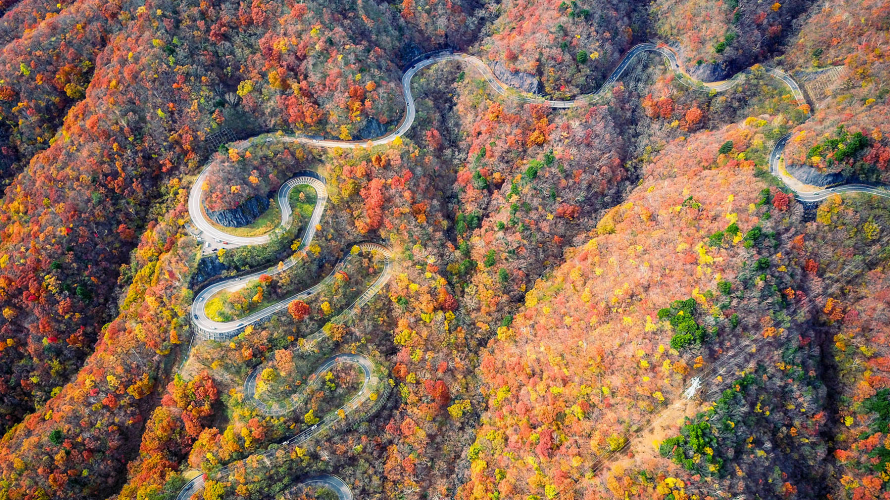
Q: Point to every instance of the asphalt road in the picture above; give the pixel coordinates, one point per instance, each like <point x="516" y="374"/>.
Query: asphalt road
<point x="207" y="328"/>
<point x="215" y="238"/>
<point x="333" y="483"/>
<point x="219" y="239"/>
<point x="816" y="194"/>
<point x="277" y="410"/>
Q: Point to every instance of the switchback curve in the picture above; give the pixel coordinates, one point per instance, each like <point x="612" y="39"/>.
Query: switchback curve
<point x="333" y="483"/>
<point x="806" y="193"/>
<point x="228" y="241"/>
<point x="206" y="328"/>
<point x="362" y="362"/>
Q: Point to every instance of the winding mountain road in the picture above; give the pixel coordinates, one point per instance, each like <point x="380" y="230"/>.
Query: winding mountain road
<point x="199" y="217"/>
<point x="333" y="483"/>
<point x="810" y="193"/>
<point x="220" y="239"/>
<point x="207" y="328"/>
<point x="362" y="362"/>
<point x="214" y="237"/>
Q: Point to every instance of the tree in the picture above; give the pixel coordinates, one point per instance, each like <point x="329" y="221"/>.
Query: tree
<point x="693" y="117"/>
<point x="503" y="276"/>
<point x="441" y="394"/>
<point x="213" y="490"/>
<point x="56" y="437"/>
<point x="310" y="417"/>
<point x="665" y="107"/>
<point x="373" y="196"/>
<point x="298" y="310"/>
<point x="781" y="201"/>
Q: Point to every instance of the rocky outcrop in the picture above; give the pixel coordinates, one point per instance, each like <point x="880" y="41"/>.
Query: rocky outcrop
<point x="372" y="129"/>
<point x="410" y="52"/>
<point x="813" y="177"/>
<point x="208" y="267"/>
<point x="244" y="214"/>
<point x="525" y="82"/>
<point x="709" y="72"/>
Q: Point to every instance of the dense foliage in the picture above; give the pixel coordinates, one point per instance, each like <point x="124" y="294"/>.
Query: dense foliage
<point x="615" y="300"/>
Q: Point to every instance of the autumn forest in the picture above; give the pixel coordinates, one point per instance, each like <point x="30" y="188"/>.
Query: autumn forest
<point x="444" y="249"/>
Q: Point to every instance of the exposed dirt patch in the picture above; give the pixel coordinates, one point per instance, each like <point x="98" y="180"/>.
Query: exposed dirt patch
<point x="642" y="447"/>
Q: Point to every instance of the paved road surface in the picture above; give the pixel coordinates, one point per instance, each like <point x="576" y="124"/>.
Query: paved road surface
<point x="219" y="239"/>
<point x="332" y="483"/>
<point x="215" y="238"/>
<point x="277" y="410"/>
<point x="207" y="328"/>
<point x="816" y="194"/>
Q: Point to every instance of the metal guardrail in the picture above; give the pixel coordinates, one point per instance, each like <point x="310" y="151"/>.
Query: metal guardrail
<point x="411" y="68"/>
<point x="267" y="313"/>
<point x="359" y="360"/>
<point x="423" y="57"/>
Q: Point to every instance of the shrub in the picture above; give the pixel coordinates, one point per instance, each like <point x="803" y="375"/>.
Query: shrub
<point x="479" y="182"/>
<point x="467" y="222"/>
<point x="695" y="439"/>
<point x="464" y="249"/>
<point x="489" y="258"/>
<point x="467" y="266"/>
<point x="765" y="197"/>
<point x="474" y="220"/>
<point x="56" y="437"/>
<point x="549" y="157"/>
<point x="681" y="316"/>
<point x="880" y="404"/>
<point x="460" y="225"/>
<point x="754" y="234"/>
<point x="503" y="276"/>
<point x="532" y="171"/>
<point x="840" y="147"/>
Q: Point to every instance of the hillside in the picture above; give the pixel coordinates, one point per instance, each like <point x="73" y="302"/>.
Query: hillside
<point x="720" y="38"/>
<point x="525" y="249"/>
